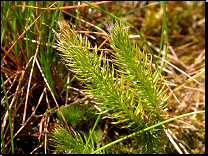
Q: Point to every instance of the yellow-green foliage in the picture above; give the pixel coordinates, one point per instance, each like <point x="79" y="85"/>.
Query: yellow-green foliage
<point x="72" y="114"/>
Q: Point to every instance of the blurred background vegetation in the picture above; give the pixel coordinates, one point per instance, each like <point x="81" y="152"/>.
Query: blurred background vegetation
<point x="186" y="30"/>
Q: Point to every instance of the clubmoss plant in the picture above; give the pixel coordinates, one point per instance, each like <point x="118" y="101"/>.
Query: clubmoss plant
<point x="131" y="90"/>
<point x="64" y="142"/>
<point x="76" y="114"/>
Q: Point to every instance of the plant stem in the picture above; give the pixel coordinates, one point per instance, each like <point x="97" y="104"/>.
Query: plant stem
<point x="146" y="129"/>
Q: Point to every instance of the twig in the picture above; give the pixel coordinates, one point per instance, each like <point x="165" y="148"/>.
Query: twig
<point x="71" y="104"/>
<point x="105" y="132"/>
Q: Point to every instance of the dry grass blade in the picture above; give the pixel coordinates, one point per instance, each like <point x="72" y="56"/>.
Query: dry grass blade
<point x="24" y="33"/>
<point x="4" y="70"/>
<point x="52" y="95"/>
<point x="28" y="87"/>
<point x="33" y="113"/>
<point x="15" y="95"/>
<point x="65" y="7"/>
<point x="87" y="23"/>
<point x="180" y="70"/>
<point x="173" y="142"/>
